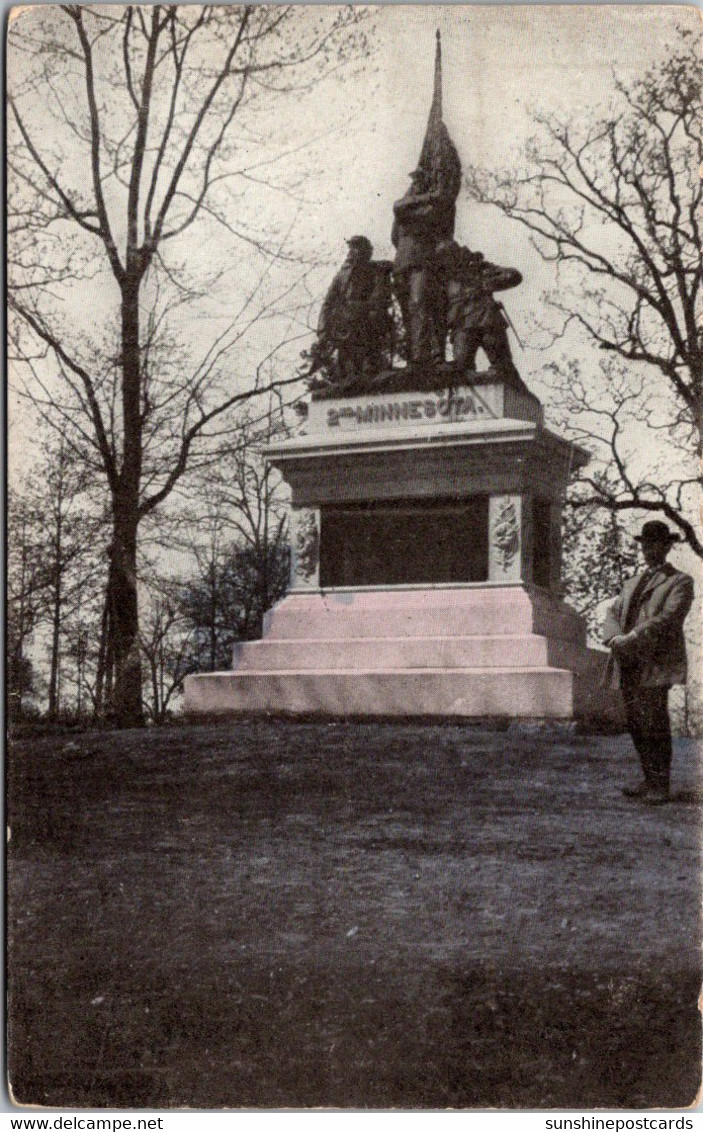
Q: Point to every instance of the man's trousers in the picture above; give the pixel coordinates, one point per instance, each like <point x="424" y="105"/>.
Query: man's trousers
<point x="647" y="714"/>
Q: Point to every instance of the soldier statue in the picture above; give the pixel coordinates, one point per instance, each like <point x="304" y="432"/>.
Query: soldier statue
<point x="474" y="317"/>
<point x="355" y="325"/>
<point x="423" y="218"/>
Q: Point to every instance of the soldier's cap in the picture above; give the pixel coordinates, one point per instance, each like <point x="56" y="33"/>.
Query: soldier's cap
<point x="360" y="242"/>
<point x="656" y="531"/>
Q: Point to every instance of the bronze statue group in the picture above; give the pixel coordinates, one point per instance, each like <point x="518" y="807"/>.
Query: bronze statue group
<point x="445" y="293"/>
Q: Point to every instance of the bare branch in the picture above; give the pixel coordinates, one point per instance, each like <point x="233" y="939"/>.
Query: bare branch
<point x="43" y="332"/>
<point x="105" y="230"/>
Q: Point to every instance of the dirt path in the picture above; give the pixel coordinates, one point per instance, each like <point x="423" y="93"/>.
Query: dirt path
<point x="386" y="915"/>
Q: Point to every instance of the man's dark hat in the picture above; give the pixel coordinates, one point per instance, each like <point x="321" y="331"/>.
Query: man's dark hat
<point x="360" y="242"/>
<point x="655" y="531"/>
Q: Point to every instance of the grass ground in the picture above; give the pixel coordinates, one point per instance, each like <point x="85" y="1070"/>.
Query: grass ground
<point x="371" y="915"/>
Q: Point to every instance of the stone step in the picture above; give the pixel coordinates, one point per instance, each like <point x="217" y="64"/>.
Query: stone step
<point x="398" y="653"/>
<point x="426" y="612"/>
<point x="499" y="692"/>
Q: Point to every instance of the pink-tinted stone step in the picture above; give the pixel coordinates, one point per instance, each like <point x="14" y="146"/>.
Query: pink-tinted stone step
<point x="503" y="651"/>
<point x="527" y="693"/>
<point x="436" y="612"/>
<point x="408" y="652"/>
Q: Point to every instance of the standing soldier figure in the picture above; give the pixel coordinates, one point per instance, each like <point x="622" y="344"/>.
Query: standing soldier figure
<point x="355" y="323"/>
<point x="422" y="219"/>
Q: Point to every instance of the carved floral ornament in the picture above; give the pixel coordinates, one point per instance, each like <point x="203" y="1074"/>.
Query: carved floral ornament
<point x="307" y="545"/>
<point x="505" y="534"/>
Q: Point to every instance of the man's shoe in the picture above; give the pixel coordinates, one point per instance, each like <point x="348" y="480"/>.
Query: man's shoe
<point x="637" y="789"/>
<point x="656" y="797"/>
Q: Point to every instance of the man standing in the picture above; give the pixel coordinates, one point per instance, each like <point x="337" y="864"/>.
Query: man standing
<point x="644" y="630"/>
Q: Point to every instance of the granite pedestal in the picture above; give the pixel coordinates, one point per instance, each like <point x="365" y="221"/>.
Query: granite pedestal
<point x="425" y="568"/>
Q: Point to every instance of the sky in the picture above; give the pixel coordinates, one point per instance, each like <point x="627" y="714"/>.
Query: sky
<point x="500" y="64"/>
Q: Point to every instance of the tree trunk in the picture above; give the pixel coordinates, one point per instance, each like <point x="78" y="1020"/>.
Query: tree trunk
<point x="55" y="642"/>
<point x="56" y="632"/>
<point x="153" y="664"/>
<point x="213" y="617"/>
<point x="101" y="669"/>
<point x="126" y="699"/>
<point x="57" y="594"/>
<point x="16" y="697"/>
<point x="79" y="675"/>
<point x="127" y="710"/>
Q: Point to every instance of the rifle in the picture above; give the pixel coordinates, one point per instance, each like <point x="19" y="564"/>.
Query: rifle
<point x="510" y="324"/>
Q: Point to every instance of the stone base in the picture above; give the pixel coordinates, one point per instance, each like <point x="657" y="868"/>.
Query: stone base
<point x="466" y="651"/>
<point x="414" y="378"/>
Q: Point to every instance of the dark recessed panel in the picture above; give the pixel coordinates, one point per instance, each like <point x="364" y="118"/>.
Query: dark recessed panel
<point x="412" y="542"/>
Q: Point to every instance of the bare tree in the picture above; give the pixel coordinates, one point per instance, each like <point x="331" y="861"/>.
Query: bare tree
<point x="242" y="554"/>
<point x="26" y="596"/>
<point x="223" y="600"/>
<point x="69" y="536"/>
<point x="252" y="497"/>
<point x="165" y="639"/>
<point x="614" y="204"/>
<point x="57" y="566"/>
<point x="80" y="643"/>
<point x="132" y="128"/>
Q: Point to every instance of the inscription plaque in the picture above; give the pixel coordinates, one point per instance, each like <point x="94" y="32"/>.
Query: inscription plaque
<point x="405" y="543"/>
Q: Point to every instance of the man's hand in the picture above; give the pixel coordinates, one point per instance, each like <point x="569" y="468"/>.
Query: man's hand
<point x="621" y="641"/>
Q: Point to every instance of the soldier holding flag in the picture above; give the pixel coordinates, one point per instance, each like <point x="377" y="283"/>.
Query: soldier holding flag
<point x="423" y="218"/>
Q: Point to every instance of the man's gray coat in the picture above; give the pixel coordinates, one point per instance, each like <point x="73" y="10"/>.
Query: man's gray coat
<point x="655" y="640"/>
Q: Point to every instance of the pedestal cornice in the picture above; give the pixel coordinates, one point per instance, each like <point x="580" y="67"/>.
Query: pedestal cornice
<point x="452" y="460"/>
<point x="322" y="445"/>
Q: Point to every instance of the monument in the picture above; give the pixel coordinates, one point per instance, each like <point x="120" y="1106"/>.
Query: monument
<point x="426" y="499"/>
